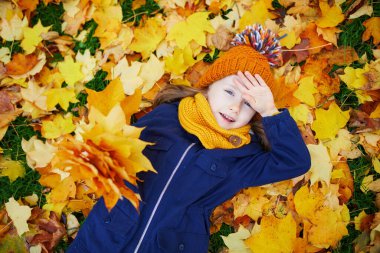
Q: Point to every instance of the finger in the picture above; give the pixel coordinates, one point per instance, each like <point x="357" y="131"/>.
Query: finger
<point x="251" y="78"/>
<point x="260" y="80"/>
<point x="251" y="100"/>
<point x="240" y="80"/>
<point x="245" y="80"/>
<point x="240" y="85"/>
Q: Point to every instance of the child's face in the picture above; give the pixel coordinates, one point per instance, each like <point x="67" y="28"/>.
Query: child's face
<point x="229" y="108"/>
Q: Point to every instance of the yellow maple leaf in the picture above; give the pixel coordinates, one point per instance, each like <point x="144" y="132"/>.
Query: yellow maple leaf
<point x="129" y="75"/>
<point x="63" y="191"/>
<point x="256" y="202"/>
<point x="282" y="231"/>
<point x="13" y="29"/>
<point x="258" y="13"/>
<point x="372" y="29"/>
<point x="112" y="122"/>
<point x="35" y="95"/>
<point x="358" y="219"/>
<point x="32" y="37"/>
<point x="300" y="113"/>
<point x="306" y="201"/>
<point x="331" y="16"/>
<point x="61" y="96"/>
<point x="11" y="169"/>
<point x="109" y="21"/>
<point x="329" y="34"/>
<point x="180" y="61"/>
<point x="376" y="113"/>
<point x="320" y="163"/>
<point x="147" y="38"/>
<point x="131" y="104"/>
<point x="105" y="100"/>
<point x="329" y="226"/>
<point x="70" y="70"/>
<point x="328" y="122"/>
<point x="58" y="126"/>
<point x="354" y="78"/>
<point x="290" y="40"/>
<point x="306" y="90"/>
<point x="47" y="77"/>
<point x="151" y="72"/>
<point x="193" y="28"/>
<point x="88" y="64"/>
<point x="376" y="164"/>
<point x="19" y="215"/>
<point x="38" y="153"/>
<point x="235" y="241"/>
<point x="341" y="142"/>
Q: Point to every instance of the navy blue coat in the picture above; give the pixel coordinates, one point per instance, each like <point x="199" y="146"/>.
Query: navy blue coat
<point x="191" y="181"/>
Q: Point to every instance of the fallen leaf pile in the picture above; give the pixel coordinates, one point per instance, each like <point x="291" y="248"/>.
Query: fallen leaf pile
<point x="80" y="71"/>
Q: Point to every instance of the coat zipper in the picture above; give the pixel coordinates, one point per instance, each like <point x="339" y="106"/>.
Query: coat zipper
<point x="161" y="195"/>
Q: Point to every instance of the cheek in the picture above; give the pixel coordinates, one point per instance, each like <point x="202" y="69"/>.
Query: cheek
<point x="247" y="115"/>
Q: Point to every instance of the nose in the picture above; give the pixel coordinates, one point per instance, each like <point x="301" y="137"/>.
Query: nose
<point x="235" y="106"/>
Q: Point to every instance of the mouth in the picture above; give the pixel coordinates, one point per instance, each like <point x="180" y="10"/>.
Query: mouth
<point x="227" y="118"/>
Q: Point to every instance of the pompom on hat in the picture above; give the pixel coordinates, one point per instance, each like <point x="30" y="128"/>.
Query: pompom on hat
<point x="255" y="49"/>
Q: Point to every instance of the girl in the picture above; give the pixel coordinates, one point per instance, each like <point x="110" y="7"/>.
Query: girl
<point x="210" y="142"/>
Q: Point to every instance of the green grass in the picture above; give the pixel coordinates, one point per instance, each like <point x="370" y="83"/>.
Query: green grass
<point x="216" y="241"/>
<point x="50" y="15"/>
<point x="11" y="145"/>
<point x="360" y="201"/>
<point x="90" y="42"/>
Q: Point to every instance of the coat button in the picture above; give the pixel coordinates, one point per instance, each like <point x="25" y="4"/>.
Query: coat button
<point x="213" y="167"/>
<point x="181" y="247"/>
<point x="234" y="140"/>
<point x="107" y="220"/>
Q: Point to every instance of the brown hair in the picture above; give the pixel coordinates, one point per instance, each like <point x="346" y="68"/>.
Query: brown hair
<point x="171" y="93"/>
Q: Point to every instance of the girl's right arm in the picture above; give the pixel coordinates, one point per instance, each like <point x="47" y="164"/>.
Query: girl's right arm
<point x="288" y="157"/>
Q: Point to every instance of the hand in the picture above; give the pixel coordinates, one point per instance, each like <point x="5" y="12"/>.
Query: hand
<point x="256" y="92"/>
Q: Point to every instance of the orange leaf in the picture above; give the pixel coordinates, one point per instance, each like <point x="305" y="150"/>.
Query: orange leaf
<point x="372" y="29"/>
<point x="131" y="104"/>
<point x="315" y="40"/>
<point x="105" y="100"/>
<point x="21" y="64"/>
<point x="319" y="68"/>
<point x="283" y="93"/>
<point x="27" y="4"/>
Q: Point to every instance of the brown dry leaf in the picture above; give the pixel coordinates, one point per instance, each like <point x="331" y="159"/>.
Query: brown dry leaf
<point x="21" y="64"/>
<point x="372" y="30"/>
<point x="307" y="134"/>
<point x="8" y="110"/>
<point x="300" y="51"/>
<point x="196" y="71"/>
<point x="362" y="122"/>
<point x="221" y="39"/>
<point x="223" y="213"/>
<point x="47" y="229"/>
<point x="340" y="56"/>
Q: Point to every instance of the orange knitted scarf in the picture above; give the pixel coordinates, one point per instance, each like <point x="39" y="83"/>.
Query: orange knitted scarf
<point x="196" y="117"/>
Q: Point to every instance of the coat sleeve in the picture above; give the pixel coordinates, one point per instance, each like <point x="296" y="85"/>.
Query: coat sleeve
<point x="288" y="157"/>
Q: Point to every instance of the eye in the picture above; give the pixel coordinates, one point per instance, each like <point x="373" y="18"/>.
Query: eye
<point x="247" y="104"/>
<point x="230" y="92"/>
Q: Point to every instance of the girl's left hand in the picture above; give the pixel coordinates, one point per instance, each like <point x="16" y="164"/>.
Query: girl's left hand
<point x="256" y="92"/>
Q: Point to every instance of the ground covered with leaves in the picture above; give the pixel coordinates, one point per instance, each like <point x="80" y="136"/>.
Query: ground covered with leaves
<point x="75" y="74"/>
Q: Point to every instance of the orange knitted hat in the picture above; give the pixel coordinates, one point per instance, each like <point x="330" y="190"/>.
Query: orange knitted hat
<point x="253" y="47"/>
